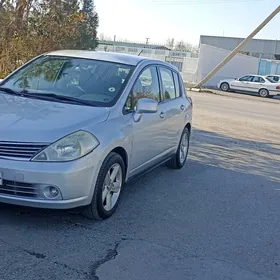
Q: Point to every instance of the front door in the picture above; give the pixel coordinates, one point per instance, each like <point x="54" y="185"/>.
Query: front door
<point x="241" y="84"/>
<point x="149" y="134"/>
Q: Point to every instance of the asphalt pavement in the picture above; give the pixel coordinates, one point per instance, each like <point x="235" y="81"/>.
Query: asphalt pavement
<point x="218" y="218"/>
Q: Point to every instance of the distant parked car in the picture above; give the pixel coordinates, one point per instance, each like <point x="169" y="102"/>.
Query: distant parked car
<point x="273" y="78"/>
<point x="76" y="125"/>
<point x="251" y="84"/>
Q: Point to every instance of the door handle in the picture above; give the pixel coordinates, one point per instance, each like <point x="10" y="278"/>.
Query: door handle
<point x="182" y="107"/>
<point x="162" y="115"/>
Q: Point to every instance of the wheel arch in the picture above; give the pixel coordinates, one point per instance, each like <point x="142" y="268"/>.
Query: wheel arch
<point x="189" y="127"/>
<point x="225" y="83"/>
<point x="123" y="153"/>
<point x="263" y="88"/>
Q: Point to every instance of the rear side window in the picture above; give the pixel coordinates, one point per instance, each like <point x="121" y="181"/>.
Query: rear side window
<point x="167" y="84"/>
<point x="258" y="80"/>
<point x="177" y="84"/>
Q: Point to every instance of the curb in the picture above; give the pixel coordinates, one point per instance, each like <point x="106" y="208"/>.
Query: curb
<point x="237" y="95"/>
<point x="201" y="90"/>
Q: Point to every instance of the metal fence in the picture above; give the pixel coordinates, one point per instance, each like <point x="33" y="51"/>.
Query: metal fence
<point x="267" y="67"/>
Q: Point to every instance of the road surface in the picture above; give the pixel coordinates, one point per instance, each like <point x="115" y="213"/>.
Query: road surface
<point x="218" y="218"/>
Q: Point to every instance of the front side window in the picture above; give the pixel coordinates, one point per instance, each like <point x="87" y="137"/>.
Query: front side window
<point x="167" y="84"/>
<point x="99" y="82"/>
<point x="246" y="79"/>
<point x="146" y="86"/>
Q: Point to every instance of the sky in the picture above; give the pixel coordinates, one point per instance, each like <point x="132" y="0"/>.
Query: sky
<point x="136" y="20"/>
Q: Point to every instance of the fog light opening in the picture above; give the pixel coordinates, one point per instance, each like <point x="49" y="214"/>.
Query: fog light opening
<point x="51" y="192"/>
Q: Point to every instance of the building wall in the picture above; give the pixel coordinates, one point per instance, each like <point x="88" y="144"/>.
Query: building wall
<point x="210" y="57"/>
<point x="267" y="67"/>
<point x="144" y="51"/>
<point x="256" y="47"/>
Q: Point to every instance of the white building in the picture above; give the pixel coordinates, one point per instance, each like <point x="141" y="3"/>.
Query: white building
<point x="266" y="49"/>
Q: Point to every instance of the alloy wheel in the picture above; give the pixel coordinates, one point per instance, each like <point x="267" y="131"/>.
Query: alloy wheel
<point x="112" y="187"/>
<point x="184" y="147"/>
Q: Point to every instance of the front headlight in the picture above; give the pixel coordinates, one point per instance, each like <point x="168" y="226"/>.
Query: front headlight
<point x="69" y="148"/>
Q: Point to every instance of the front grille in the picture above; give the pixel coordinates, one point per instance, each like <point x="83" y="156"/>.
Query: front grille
<point x="20" y="150"/>
<point x="18" y="189"/>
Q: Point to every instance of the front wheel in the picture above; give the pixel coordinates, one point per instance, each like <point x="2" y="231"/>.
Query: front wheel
<point x="107" y="189"/>
<point x="225" y="87"/>
<point x="179" y="159"/>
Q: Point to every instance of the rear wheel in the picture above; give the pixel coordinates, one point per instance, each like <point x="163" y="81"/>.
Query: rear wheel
<point x="263" y="92"/>
<point x="107" y="189"/>
<point x="224" y="87"/>
<point x="179" y="159"/>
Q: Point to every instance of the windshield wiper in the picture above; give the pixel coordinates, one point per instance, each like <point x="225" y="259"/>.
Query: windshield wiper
<point x="9" y="91"/>
<point x="46" y="96"/>
<point x="53" y="96"/>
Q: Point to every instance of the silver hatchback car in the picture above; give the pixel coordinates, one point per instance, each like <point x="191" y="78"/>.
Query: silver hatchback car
<point x="76" y="125"/>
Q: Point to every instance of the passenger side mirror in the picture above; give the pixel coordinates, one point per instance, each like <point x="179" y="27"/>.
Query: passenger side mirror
<point x="145" y="105"/>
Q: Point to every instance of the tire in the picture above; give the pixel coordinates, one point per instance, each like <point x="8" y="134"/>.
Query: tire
<point x="263" y="93"/>
<point x="224" y="87"/>
<point x="177" y="162"/>
<point x="99" y="208"/>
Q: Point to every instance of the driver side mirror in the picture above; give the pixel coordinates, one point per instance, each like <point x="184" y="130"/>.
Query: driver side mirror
<point x="145" y="105"/>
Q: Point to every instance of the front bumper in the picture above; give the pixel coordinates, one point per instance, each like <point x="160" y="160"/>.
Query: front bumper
<point x="24" y="183"/>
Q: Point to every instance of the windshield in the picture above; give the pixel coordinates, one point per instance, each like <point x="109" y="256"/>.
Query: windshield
<point x="95" y="81"/>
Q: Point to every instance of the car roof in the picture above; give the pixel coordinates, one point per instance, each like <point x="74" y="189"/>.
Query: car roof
<point x="256" y="75"/>
<point x="104" y="56"/>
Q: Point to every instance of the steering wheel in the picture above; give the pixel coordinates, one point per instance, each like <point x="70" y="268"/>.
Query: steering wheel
<point x="76" y="89"/>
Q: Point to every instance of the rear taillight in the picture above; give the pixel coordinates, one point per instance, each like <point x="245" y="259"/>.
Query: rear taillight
<point x="278" y="87"/>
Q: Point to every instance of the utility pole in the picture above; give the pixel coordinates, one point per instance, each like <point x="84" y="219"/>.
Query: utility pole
<point x="114" y="43"/>
<point x="147" y="41"/>
<point x="239" y="47"/>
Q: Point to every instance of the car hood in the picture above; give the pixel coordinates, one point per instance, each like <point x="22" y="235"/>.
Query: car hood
<point x="33" y="120"/>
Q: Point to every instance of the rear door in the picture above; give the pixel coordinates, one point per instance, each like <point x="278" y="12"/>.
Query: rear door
<point x="173" y="105"/>
<point x="149" y="136"/>
<point x="256" y="83"/>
